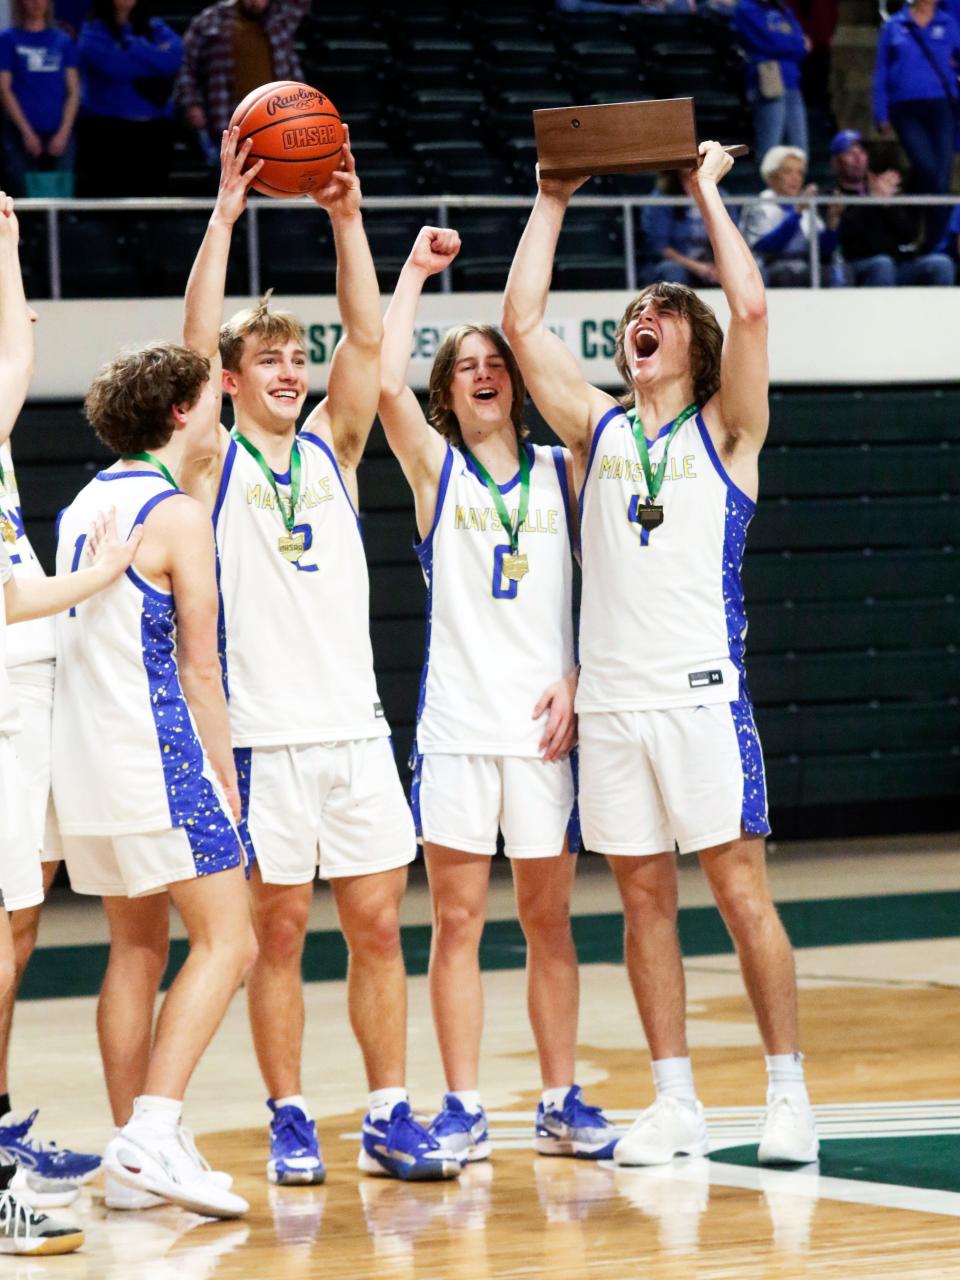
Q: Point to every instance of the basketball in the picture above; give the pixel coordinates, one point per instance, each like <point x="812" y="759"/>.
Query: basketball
<point x="297" y="133"/>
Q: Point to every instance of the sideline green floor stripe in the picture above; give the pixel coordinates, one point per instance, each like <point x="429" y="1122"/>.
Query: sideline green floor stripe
<point x="77" y="971"/>
<point x="929" y="1161"/>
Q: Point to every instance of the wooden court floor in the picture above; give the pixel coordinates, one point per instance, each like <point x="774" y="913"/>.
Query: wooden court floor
<point x="882" y="1038"/>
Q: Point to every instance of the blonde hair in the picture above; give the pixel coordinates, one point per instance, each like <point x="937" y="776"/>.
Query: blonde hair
<point x="775" y="157"/>
<point x="257" y="322"/>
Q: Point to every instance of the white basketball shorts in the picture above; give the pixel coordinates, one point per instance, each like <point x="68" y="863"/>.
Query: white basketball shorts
<point x="461" y="801"/>
<point x="32" y="686"/>
<point x="21" y="880"/>
<point x="688" y="777"/>
<point x="329" y="809"/>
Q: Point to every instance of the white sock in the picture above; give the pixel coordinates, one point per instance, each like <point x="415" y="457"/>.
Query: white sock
<point x="553" y="1099"/>
<point x="153" y="1112"/>
<point x="785" y="1078"/>
<point x="673" y="1078"/>
<point x="295" y="1100"/>
<point x="468" y="1098"/>
<point x="382" y="1101"/>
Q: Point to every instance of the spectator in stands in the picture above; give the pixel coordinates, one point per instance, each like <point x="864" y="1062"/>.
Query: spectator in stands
<point x="40" y="90"/>
<point x="819" y="19"/>
<point x="128" y="62"/>
<point x="778" y="232"/>
<point x="676" y="244"/>
<point x="950" y="244"/>
<point x="230" y="48"/>
<point x="775" y="47"/>
<point x="880" y="243"/>
<point x="70" y="15"/>
<point x="915" y="91"/>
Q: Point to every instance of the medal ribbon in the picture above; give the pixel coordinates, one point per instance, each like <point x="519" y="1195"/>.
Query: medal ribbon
<point x="655" y="478"/>
<point x="497" y="496"/>
<point x="287" y="513"/>
<point x="154" y="462"/>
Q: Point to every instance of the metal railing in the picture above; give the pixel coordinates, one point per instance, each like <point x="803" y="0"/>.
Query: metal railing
<point x="439" y="209"/>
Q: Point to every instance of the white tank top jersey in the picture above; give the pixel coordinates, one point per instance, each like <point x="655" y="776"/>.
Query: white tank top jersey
<point x="298" y="656"/>
<point x="9" y="716"/>
<point x="33" y="641"/>
<point x="662" y="621"/>
<point x="494" y="645"/>
<point x="126" y="754"/>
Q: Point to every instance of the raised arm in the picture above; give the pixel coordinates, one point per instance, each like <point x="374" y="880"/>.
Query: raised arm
<point x="16" y="325"/>
<point x="738" y="415"/>
<point x="28" y="598"/>
<point x="347" y="411"/>
<point x="418" y="448"/>
<point x="203" y="303"/>
<point x="549" y="368"/>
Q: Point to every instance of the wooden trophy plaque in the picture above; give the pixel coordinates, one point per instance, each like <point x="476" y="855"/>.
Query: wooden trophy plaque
<point x="618" y="137"/>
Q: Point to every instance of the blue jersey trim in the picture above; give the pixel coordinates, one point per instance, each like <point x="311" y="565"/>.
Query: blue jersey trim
<point x="511" y="484"/>
<point x="559" y="461"/>
<point x="149" y="505"/>
<point x="753" y="806"/>
<point x="423" y="546"/>
<point x="282" y="477"/>
<point x="322" y="444"/>
<point x="718" y="465"/>
<point x="225" y="478"/>
<point x="243" y="758"/>
<point x="127" y="475"/>
<point x="611" y="413"/>
<point x="56" y="524"/>
<point x="165" y="597"/>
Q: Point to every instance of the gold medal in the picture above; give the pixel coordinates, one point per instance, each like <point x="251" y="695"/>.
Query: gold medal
<point x="515" y="566"/>
<point x="7" y="529"/>
<point x="291" y="546"/>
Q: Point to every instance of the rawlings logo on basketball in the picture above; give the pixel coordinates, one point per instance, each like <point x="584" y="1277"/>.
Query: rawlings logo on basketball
<point x="298" y="99"/>
<point x="312" y="135"/>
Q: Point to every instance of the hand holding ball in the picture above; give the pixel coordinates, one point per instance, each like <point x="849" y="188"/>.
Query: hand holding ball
<point x="296" y="131"/>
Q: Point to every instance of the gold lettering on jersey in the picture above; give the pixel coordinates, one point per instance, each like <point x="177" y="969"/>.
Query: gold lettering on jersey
<point x="613" y="466"/>
<point x="480" y="519"/>
<point x="316" y="492"/>
<point x="7" y="529"/>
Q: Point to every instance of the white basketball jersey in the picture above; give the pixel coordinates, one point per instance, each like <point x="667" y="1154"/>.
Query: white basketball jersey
<point x="494" y="645"/>
<point x="126" y="754"/>
<point x="9" y="716"/>
<point x="299" y="659"/>
<point x="662" y="621"/>
<point x="33" y="641"/>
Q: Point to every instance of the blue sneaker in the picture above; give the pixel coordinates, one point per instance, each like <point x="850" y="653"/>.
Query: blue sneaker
<point x="574" y="1130"/>
<point x="43" y="1159"/>
<point x="463" y="1133"/>
<point x="294" y="1148"/>
<point x="401" y="1148"/>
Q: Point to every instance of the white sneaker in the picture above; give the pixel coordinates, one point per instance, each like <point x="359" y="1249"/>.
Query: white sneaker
<point x="42" y="1193"/>
<point x="789" y="1133"/>
<point x="117" y="1195"/>
<point x="668" y="1128"/>
<point x="166" y="1165"/>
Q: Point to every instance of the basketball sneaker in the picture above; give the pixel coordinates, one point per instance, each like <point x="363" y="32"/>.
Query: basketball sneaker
<point x="463" y="1133"/>
<point x="294" y="1147"/>
<point x="117" y="1195"/>
<point x="24" y="1231"/>
<point x="789" y="1133"/>
<point x="401" y="1148"/>
<point x="666" y="1129"/>
<point x="165" y="1163"/>
<point x="43" y="1193"/>
<point x="44" y="1159"/>
<point x="574" y="1129"/>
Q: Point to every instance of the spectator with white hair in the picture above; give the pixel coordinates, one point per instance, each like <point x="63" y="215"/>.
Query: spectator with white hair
<point x="777" y="230"/>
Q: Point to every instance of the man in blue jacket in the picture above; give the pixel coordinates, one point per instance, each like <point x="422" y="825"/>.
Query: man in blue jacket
<point x="775" y="46"/>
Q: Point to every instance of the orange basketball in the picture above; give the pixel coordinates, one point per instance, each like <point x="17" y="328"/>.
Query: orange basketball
<point x="297" y="132"/>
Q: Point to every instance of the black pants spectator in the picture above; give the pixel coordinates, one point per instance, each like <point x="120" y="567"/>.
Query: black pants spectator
<point x="926" y="128"/>
<point x="119" y="158"/>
